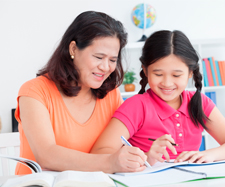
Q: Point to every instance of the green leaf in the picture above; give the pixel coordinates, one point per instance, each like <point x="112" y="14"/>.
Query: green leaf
<point x="129" y="77"/>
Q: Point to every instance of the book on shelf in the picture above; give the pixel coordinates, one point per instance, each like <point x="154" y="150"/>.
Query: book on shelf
<point x="209" y="72"/>
<point x="222" y="70"/>
<point x="213" y="70"/>
<point x="168" y="173"/>
<point x="218" y="73"/>
<point x="206" y="82"/>
<point x="212" y="96"/>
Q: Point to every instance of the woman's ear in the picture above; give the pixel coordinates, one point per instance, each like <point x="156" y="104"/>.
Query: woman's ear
<point x="72" y="48"/>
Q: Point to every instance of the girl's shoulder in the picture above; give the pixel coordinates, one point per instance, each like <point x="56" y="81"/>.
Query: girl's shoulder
<point x="190" y="94"/>
<point x="138" y="99"/>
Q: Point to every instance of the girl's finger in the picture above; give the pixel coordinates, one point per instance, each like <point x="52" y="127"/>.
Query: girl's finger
<point x="171" y="147"/>
<point x="166" y="155"/>
<point x="180" y="156"/>
<point x="187" y="156"/>
<point x="194" y="157"/>
<point x="201" y="160"/>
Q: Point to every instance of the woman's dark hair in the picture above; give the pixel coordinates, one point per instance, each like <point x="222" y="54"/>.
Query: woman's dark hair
<point x="163" y="43"/>
<point x="84" y="29"/>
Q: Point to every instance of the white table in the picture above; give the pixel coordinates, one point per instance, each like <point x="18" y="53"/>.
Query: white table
<point x="219" y="182"/>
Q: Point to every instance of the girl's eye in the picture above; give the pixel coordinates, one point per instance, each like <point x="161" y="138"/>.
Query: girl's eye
<point x="176" y="75"/>
<point x="158" y="75"/>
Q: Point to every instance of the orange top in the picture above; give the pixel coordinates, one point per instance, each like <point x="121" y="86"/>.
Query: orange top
<point x="68" y="132"/>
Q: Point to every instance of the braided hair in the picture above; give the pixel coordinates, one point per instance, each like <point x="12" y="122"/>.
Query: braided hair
<point x="164" y="43"/>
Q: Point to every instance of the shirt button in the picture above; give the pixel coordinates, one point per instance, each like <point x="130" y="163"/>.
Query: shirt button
<point x="177" y="115"/>
<point x="180" y="134"/>
<point x="178" y="124"/>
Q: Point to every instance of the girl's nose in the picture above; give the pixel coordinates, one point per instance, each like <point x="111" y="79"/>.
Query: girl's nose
<point x="167" y="82"/>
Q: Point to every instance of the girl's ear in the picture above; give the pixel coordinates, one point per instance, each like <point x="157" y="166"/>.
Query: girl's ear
<point x="190" y="74"/>
<point x="144" y="70"/>
<point x="72" y="48"/>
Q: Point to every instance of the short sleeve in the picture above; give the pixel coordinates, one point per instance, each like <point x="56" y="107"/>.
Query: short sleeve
<point x="131" y="114"/>
<point x="207" y="105"/>
<point x="34" y="88"/>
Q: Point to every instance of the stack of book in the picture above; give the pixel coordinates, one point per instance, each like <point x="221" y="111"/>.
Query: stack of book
<point x="213" y="72"/>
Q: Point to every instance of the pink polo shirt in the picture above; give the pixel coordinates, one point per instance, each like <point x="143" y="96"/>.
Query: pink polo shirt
<point x="148" y="116"/>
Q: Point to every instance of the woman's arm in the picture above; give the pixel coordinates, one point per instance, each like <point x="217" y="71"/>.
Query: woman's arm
<point x="216" y="128"/>
<point x="39" y="133"/>
<point x="109" y="142"/>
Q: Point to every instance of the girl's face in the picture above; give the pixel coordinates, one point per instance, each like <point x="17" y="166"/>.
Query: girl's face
<point x="168" y="77"/>
<point x="96" y="62"/>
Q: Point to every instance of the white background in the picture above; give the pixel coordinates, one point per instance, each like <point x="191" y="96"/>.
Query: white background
<point x="30" y="31"/>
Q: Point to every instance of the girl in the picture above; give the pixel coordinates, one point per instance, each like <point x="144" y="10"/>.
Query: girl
<point x="62" y="112"/>
<point x="166" y="112"/>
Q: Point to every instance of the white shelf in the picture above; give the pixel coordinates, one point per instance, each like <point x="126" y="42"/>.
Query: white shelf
<point x="135" y="45"/>
<point x="129" y="94"/>
<point x="211" y="88"/>
<point x="139" y="45"/>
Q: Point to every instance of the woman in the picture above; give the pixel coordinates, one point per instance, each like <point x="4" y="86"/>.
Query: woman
<point x="62" y="112"/>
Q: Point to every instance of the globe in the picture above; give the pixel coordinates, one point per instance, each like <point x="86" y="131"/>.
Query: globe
<point x="143" y="16"/>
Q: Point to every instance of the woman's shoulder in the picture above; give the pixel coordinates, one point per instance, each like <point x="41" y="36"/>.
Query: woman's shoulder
<point x="38" y="83"/>
<point x="112" y="96"/>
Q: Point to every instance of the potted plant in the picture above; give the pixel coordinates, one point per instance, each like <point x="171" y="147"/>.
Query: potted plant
<point x="129" y="78"/>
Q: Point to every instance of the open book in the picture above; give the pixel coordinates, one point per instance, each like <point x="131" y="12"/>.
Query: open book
<point x="56" y="179"/>
<point x="165" y="165"/>
<point x="169" y="173"/>
<point x="34" y="166"/>
<point x="62" y="179"/>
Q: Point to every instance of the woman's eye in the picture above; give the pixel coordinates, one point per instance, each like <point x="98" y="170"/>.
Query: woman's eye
<point x="113" y="60"/>
<point x="158" y="75"/>
<point x="98" y="57"/>
<point x="176" y="75"/>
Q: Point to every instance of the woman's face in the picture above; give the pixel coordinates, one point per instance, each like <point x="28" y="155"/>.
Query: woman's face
<point x="96" y="62"/>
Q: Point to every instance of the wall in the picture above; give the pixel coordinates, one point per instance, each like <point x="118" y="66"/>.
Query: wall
<point x="30" y="31"/>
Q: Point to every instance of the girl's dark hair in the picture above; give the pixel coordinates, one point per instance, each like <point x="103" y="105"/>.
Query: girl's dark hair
<point x="163" y="43"/>
<point x="84" y="29"/>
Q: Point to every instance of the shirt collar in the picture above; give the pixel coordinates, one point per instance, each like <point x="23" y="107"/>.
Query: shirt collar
<point x="164" y="110"/>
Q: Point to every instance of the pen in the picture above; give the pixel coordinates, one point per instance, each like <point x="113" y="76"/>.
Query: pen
<point x="174" y="144"/>
<point x="125" y="142"/>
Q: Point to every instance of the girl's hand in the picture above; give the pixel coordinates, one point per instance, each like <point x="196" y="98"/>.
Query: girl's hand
<point x="195" y="156"/>
<point x="158" y="149"/>
<point x="128" y="159"/>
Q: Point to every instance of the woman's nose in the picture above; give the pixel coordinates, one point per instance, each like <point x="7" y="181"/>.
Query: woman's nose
<point x="104" y="66"/>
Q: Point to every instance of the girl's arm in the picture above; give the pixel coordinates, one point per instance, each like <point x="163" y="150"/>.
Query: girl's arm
<point x="216" y="128"/>
<point x="110" y="142"/>
<point x="39" y="133"/>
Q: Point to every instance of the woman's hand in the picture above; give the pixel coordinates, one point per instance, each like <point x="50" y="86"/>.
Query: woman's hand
<point x="196" y="156"/>
<point x="158" y="149"/>
<point x="128" y="159"/>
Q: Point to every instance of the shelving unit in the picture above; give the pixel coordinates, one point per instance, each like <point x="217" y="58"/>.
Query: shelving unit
<point x="205" y="48"/>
